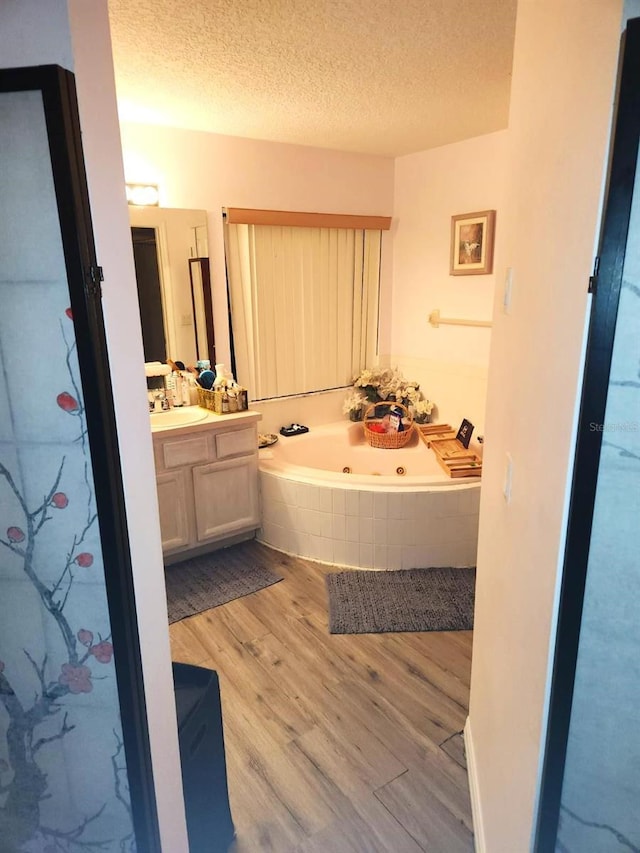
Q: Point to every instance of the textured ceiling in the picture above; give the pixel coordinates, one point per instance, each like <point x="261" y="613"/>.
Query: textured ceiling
<point x="380" y="76"/>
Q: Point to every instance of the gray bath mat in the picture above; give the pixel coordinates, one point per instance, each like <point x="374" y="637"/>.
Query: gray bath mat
<point x="365" y="602"/>
<point x="213" y="579"/>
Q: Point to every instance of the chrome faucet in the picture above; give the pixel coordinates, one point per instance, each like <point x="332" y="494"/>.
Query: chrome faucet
<point x="159" y="403"/>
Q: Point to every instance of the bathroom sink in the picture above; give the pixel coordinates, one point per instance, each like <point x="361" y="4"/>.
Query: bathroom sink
<point x="178" y="417"/>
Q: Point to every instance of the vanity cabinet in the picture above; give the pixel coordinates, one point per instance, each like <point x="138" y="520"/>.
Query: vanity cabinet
<point x="207" y="482"/>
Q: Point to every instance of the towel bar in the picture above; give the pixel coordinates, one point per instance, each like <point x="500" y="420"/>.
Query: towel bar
<point x="436" y="320"/>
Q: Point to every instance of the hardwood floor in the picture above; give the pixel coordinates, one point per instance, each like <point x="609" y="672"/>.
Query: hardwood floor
<point x="335" y="744"/>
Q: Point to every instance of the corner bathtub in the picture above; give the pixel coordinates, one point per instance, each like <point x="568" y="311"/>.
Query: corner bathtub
<point x="372" y="517"/>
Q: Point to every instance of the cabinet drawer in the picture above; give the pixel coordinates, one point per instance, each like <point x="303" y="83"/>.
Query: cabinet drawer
<point x="185" y="451"/>
<point x="235" y="443"/>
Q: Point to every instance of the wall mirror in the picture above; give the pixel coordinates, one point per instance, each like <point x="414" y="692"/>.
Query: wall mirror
<point x="171" y="254"/>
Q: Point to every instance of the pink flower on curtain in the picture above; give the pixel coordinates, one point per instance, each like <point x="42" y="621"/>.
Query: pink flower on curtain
<point x="84" y="560"/>
<point x="67" y="403"/>
<point x="14" y="534"/>
<point x="102" y="652"/>
<point x="69" y="313"/>
<point x="85" y="637"/>
<point x="60" y="500"/>
<point x="76" y="678"/>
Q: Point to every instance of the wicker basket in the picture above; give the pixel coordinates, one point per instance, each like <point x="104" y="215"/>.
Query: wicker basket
<point x="387" y="440"/>
<point x="215" y="401"/>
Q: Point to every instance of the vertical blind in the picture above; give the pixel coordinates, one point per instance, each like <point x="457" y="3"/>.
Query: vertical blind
<point x="304" y="305"/>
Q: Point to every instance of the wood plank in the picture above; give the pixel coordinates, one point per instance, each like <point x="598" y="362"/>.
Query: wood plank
<point x="430" y="670"/>
<point x="302" y="590"/>
<point x="354" y="773"/>
<point x="450" y="650"/>
<point x="241" y="623"/>
<point x="402" y="684"/>
<point x="298" y="649"/>
<point x="454" y="747"/>
<point x="368" y="827"/>
<point x="410" y="747"/>
<point x="269" y="775"/>
<point x="248" y="690"/>
<point x="261" y="820"/>
<point x="185" y="638"/>
<point x="383" y="720"/>
<point x="411" y="800"/>
<point x="346" y="731"/>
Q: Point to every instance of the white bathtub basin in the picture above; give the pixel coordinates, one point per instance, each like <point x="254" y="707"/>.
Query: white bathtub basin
<point x="395" y="509"/>
<point x="178" y="417"/>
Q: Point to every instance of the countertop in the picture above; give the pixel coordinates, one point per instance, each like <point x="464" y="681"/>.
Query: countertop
<point x="210" y="421"/>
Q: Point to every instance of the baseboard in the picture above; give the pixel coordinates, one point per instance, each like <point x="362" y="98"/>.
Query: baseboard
<point x="476" y="810"/>
<point x="210" y="547"/>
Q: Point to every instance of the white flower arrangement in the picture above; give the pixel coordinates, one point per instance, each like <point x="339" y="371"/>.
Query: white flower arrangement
<point x="374" y="385"/>
<point x="383" y="383"/>
<point x="422" y="410"/>
<point x="354" y="402"/>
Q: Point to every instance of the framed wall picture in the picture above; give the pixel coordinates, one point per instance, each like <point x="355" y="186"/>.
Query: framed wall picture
<point x="472" y="236"/>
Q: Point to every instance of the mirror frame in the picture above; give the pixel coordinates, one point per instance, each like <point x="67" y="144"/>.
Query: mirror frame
<point x="201" y="287"/>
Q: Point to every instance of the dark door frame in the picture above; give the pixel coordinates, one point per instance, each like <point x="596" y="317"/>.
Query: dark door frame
<point x="57" y="87"/>
<point x="604" y="312"/>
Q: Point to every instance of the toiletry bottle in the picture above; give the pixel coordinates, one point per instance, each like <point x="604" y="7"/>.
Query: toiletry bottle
<point x="395" y="419"/>
<point x="177" y="394"/>
<point x="220" y="381"/>
<point x="186" y="399"/>
<point x="174" y="389"/>
<point x="194" y="398"/>
<point x="170" y="387"/>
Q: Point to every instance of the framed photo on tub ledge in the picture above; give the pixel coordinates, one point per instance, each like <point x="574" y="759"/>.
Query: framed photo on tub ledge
<point x="472" y="238"/>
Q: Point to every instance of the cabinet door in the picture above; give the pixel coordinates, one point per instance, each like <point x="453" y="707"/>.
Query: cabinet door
<point x="226" y="497"/>
<point x="172" y="501"/>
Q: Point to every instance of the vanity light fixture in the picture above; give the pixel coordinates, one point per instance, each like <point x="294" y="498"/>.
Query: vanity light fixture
<point x="143" y="195"/>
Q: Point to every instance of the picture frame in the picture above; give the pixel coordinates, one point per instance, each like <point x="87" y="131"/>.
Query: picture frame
<point x="464" y="433"/>
<point x="472" y="239"/>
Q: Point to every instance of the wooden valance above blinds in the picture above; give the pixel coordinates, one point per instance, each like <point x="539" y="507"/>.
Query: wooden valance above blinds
<point x="249" y="216"/>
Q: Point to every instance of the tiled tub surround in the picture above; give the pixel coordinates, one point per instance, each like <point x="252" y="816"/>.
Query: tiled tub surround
<point x="377" y="520"/>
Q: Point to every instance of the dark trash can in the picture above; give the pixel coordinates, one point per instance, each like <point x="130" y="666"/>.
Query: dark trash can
<point x="204" y="772"/>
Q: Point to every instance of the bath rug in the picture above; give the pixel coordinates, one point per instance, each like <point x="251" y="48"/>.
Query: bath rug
<point x="210" y="580"/>
<point x="366" y="602"/>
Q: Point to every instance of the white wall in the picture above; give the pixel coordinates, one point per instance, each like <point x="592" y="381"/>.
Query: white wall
<point x="209" y="171"/>
<point x="29" y="37"/>
<point x="100" y="136"/>
<point x="450" y="362"/>
<point x="76" y="36"/>
<point x="562" y="91"/>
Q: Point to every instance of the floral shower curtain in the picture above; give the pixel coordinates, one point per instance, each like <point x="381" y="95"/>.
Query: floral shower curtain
<point x="64" y="782"/>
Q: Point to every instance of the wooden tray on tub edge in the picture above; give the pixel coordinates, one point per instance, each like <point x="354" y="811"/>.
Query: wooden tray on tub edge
<point x="433" y="432"/>
<point x="451" y="455"/>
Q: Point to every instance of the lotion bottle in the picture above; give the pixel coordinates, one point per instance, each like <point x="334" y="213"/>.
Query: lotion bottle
<point x="220" y="381"/>
<point x="186" y="395"/>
